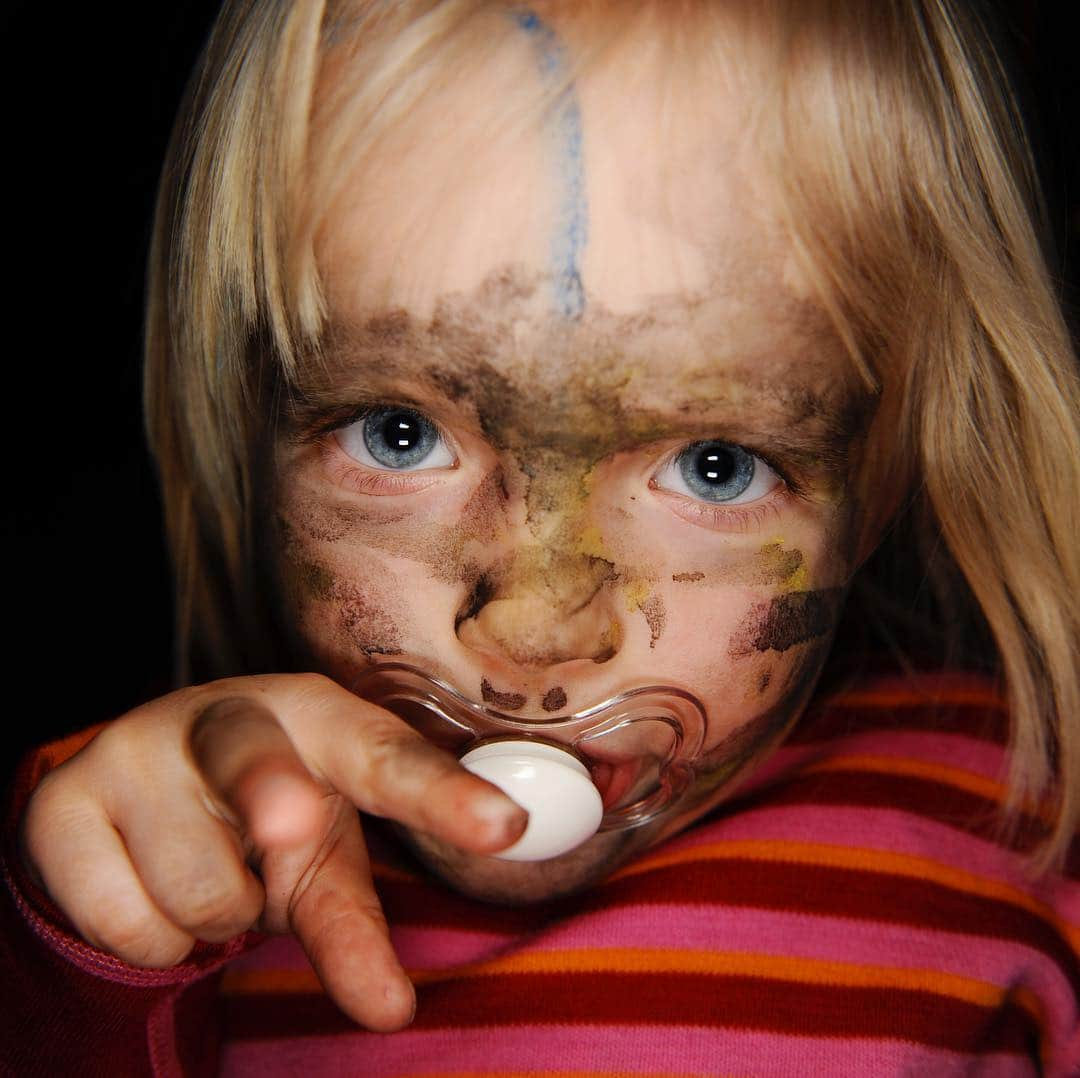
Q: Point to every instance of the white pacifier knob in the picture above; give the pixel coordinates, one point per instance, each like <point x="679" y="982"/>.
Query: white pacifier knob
<point x="552" y="785"/>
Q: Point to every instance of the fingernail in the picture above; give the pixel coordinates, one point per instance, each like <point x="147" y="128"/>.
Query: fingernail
<point x="500" y="813"/>
<point x="392" y="992"/>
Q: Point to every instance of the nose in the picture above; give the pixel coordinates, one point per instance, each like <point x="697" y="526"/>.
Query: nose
<point x="541" y="615"/>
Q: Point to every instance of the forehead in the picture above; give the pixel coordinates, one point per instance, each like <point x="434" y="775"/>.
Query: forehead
<point x="450" y="248"/>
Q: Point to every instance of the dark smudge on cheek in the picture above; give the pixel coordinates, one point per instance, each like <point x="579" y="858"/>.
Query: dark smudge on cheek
<point x="369" y="628"/>
<point x="687" y="578"/>
<point x="786" y="621"/>
<point x="356" y="617"/>
<point x="362" y="623"/>
<point x="486" y="508"/>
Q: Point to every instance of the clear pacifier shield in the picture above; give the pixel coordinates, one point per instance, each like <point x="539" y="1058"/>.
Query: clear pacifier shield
<point x="635" y="751"/>
<point x="553" y="786"/>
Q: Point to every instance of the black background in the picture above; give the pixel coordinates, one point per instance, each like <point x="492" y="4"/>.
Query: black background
<point x="90" y="92"/>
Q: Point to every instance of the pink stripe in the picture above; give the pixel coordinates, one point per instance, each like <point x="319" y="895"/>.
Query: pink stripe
<point x="632" y="1050"/>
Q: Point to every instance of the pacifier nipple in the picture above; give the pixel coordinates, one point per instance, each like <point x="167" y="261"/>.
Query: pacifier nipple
<point x="552" y="785"/>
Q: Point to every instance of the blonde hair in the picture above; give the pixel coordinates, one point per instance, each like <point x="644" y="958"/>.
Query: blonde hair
<point x="907" y="190"/>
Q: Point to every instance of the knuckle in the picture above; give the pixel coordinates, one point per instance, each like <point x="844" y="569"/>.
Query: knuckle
<point x="312" y="682"/>
<point x="396" y="760"/>
<point x="214" y="909"/>
<point x="53" y="809"/>
<point x="139" y="938"/>
<point x="208" y="903"/>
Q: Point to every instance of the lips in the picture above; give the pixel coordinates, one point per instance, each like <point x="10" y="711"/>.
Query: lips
<point x="613" y="780"/>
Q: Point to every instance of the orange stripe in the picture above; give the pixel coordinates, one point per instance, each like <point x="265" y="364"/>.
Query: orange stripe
<point x="259" y="982"/>
<point x="55" y="753"/>
<point x="861" y="859"/>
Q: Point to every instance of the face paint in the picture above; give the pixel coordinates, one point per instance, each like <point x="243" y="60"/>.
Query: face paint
<point x="565" y="133"/>
<point x="550" y="560"/>
<point x="786" y="621"/>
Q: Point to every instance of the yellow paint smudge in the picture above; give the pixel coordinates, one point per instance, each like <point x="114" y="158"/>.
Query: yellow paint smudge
<point x="636" y="593"/>
<point x="591" y="543"/>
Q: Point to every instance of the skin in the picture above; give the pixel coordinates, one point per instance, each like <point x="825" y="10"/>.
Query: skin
<point x="547" y="562"/>
<point x="544" y="551"/>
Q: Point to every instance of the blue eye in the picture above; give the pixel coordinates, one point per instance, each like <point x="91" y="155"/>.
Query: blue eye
<point x="718" y="472"/>
<point x="396" y="439"/>
<point x="715" y="471"/>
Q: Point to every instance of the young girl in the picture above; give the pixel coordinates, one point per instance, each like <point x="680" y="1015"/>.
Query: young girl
<point x="579" y="370"/>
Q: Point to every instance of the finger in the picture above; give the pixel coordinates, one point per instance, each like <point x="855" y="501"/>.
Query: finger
<point x="387" y="769"/>
<point x="400" y="775"/>
<point x="251" y="765"/>
<point x="88" y="873"/>
<point x="337" y="917"/>
<point x="191" y="864"/>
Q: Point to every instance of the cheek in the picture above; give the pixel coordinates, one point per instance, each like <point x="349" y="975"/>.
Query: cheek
<point x="749" y="630"/>
<point x="366" y="577"/>
<point x="338" y="608"/>
<point x="744" y="647"/>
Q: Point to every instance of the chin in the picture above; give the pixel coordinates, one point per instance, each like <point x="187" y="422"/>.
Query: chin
<point x="519" y="883"/>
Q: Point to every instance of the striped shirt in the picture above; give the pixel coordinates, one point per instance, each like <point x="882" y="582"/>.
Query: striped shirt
<point x="853" y="911"/>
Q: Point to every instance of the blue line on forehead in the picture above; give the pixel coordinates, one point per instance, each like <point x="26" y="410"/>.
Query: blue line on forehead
<point x="572" y="228"/>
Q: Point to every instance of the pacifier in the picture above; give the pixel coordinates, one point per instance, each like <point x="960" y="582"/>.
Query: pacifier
<point x="609" y="767"/>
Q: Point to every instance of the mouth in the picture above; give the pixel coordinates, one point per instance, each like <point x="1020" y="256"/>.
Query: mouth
<point x="613" y="780"/>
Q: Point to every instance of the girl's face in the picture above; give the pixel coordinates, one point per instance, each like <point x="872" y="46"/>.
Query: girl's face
<point x="580" y="426"/>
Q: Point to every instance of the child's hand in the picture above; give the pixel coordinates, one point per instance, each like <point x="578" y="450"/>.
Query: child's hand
<point x="144" y="838"/>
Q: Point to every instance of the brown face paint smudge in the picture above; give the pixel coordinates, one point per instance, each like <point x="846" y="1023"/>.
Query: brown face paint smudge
<point x="655" y="617"/>
<point x="763" y="681"/>
<point x="772" y="564"/>
<point x="506" y="701"/>
<point x="554" y="699"/>
<point x="315" y="579"/>
<point x="372" y="630"/>
<point x="786" y="621"/>
<point x="778" y="563"/>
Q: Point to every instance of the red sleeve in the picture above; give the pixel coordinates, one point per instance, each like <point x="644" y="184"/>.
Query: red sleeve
<point x="67" y="1008"/>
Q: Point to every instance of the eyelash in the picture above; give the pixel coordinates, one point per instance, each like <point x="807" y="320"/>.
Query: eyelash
<point x="743" y="518"/>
